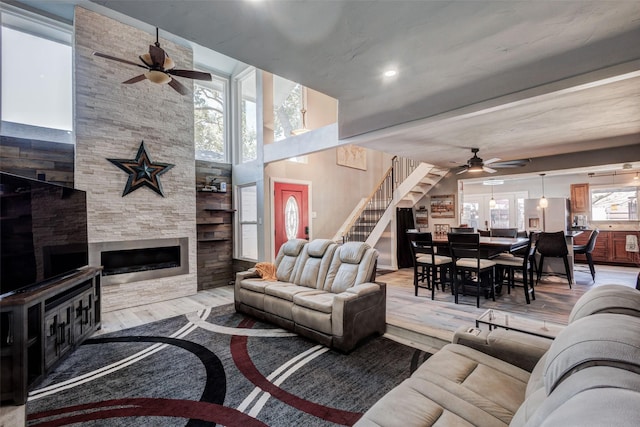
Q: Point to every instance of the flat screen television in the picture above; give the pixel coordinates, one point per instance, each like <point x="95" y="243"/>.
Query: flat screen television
<point x="43" y="232"/>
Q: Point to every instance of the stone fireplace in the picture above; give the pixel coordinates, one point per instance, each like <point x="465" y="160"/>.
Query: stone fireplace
<point x="111" y="121"/>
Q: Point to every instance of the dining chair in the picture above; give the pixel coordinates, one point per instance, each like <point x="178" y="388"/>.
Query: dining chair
<point x="469" y="267"/>
<point x="553" y="245"/>
<point x="429" y="267"/>
<point x="462" y="230"/>
<point x="526" y="264"/>
<point x="586" y="250"/>
<point x="504" y="232"/>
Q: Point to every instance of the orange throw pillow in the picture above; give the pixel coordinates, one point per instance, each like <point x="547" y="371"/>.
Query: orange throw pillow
<point x="266" y="270"/>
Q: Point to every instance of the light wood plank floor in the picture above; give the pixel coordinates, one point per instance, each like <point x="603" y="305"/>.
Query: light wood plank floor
<point x="417" y="321"/>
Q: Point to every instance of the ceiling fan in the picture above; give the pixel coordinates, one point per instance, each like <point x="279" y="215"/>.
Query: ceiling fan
<point x="476" y="164"/>
<point x="160" y="68"/>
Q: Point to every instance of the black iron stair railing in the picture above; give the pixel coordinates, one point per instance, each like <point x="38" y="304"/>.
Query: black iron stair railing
<point x="379" y="200"/>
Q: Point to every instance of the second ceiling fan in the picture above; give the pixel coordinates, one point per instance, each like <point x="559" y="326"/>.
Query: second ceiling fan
<point x="160" y="68"/>
<point x="476" y="164"/>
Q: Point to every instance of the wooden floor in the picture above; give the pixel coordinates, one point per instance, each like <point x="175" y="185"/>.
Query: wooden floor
<point x="417" y="321"/>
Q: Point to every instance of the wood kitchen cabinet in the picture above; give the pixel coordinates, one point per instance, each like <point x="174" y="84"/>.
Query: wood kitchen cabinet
<point x="610" y="248"/>
<point x="579" y="198"/>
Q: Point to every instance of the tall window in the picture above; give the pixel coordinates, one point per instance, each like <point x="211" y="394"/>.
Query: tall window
<point x="209" y="111"/>
<point x="508" y="212"/>
<point x="248" y="117"/>
<point x="248" y="222"/>
<point x="287" y="106"/>
<point x="615" y="203"/>
<point x="37" y="89"/>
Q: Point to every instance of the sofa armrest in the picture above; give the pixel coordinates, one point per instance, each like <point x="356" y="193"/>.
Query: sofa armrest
<point x="519" y="349"/>
<point x="362" y="289"/>
<point x="240" y="276"/>
<point x="357" y="313"/>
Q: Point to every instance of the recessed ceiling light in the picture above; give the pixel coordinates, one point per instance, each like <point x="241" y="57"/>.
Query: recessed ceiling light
<point x="390" y="73"/>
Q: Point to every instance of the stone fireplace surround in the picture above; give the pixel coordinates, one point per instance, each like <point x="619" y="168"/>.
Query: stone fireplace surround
<point x="111" y="121"/>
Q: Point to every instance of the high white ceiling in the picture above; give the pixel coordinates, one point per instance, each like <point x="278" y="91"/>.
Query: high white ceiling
<point x="517" y="79"/>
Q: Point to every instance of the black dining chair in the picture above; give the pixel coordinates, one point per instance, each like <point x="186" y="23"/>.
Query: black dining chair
<point x="553" y="245"/>
<point x="504" y="232"/>
<point x="462" y="230"/>
<point x="468" y="267"/>
<point x="509" y="265"/>
<point x="428" y="266"/>
<point x="586" y="250"/>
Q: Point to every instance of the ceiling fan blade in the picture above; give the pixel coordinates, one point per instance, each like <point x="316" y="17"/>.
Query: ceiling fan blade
<point x="113" y="58"/>
<point x="462" y="171"/>
<point x="489" y="170"/>
<point x="179" y="87"/>
<point x="495" y="159"/>
<point x="135" y="79"/>
<point x="157" y="56"/>
<point x="190" y="74"/>
<point x="512" y="163"/>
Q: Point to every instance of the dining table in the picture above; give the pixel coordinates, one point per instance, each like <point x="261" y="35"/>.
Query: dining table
<point x="489" y="246"/>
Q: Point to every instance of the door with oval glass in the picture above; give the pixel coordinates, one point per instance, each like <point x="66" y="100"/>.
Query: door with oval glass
<point x="291" y="210"/>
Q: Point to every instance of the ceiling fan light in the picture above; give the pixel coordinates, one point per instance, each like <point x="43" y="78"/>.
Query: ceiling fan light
<point x="157" y="77"/>
<point x="146" y="58"/>
<point x="168" y="63"/>
<point x="475" y="168"/>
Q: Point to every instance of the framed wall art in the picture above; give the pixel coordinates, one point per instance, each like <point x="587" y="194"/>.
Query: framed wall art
<point x="352" y="156"/>
<point x="443" y="206"/>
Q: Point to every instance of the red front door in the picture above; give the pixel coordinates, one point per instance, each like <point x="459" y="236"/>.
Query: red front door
<point x="291" y="202"/>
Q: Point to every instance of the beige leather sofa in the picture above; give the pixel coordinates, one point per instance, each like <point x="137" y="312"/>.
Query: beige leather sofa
<point x="324" y="291"/>
<point x="588" y="376"/>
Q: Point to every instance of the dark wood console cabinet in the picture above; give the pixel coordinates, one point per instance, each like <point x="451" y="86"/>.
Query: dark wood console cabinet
<point x="40" y="326"/>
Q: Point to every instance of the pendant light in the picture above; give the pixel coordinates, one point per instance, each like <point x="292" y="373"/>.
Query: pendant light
<point x="543" y="203"/>
<point x="492" y="202"/>
<point x="303" y="112"/>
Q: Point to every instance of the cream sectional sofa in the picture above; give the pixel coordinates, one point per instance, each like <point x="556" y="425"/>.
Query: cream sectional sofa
<point x="323" y="291"/>
<point x="589" y="375"/>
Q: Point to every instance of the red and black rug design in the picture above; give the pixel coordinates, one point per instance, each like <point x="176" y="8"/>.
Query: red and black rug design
<point x="217" y="367"/>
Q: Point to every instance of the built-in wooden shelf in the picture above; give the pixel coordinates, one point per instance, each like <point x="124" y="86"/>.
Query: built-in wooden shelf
<point x="219" y="210"/>
<point x="215" y="239"/>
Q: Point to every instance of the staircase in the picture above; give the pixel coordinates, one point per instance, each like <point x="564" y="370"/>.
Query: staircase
<point x="373" y="220"/>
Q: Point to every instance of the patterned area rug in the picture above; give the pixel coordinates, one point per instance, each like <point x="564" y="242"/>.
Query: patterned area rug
<point x="217" y="367"/>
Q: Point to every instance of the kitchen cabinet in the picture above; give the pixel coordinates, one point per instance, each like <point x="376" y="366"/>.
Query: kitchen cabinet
<point x="579" y="198"/>
<point x="610" y="248"/>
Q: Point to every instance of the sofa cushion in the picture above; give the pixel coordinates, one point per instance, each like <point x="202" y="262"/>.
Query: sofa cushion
<point x="257" y="285"/>
<point x="607" y="299"/>
<point x="417" y="402"/>
<point x="314" y="262"/>
<point x="471" y="374"/>
<point x="353" y="264"/>
<point x="601" y="339"/>
<point x="315" y="300"/>
<point x="538" y="408"/>
<point x="287" y="259"/>
<point x="285" y="291"/>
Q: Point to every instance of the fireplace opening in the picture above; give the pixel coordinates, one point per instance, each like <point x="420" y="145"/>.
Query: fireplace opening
<point x="130" y="261"/>
<point x="136" y="260"/>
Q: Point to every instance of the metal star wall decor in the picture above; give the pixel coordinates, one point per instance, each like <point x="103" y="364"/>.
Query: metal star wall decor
<point x="143" y="172"/>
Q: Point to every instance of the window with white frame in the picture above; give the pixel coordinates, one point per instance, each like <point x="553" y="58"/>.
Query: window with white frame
<point x="247" y="91"/>
<point x="614" y="203"/>
<point x="508" y="211"/>
<point x="287" y="107"/>
<point x="37" y="85"/>
<point x="210" y="119"/>
<point x="248" y="222"/>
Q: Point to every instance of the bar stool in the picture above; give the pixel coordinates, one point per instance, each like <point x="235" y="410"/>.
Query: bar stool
<point x="586" y="250"/>
<point x="428" y="266"/>
<point x="524" y="264"/>
<point x="468" y="267"/>
<point x="553" y="245"/>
